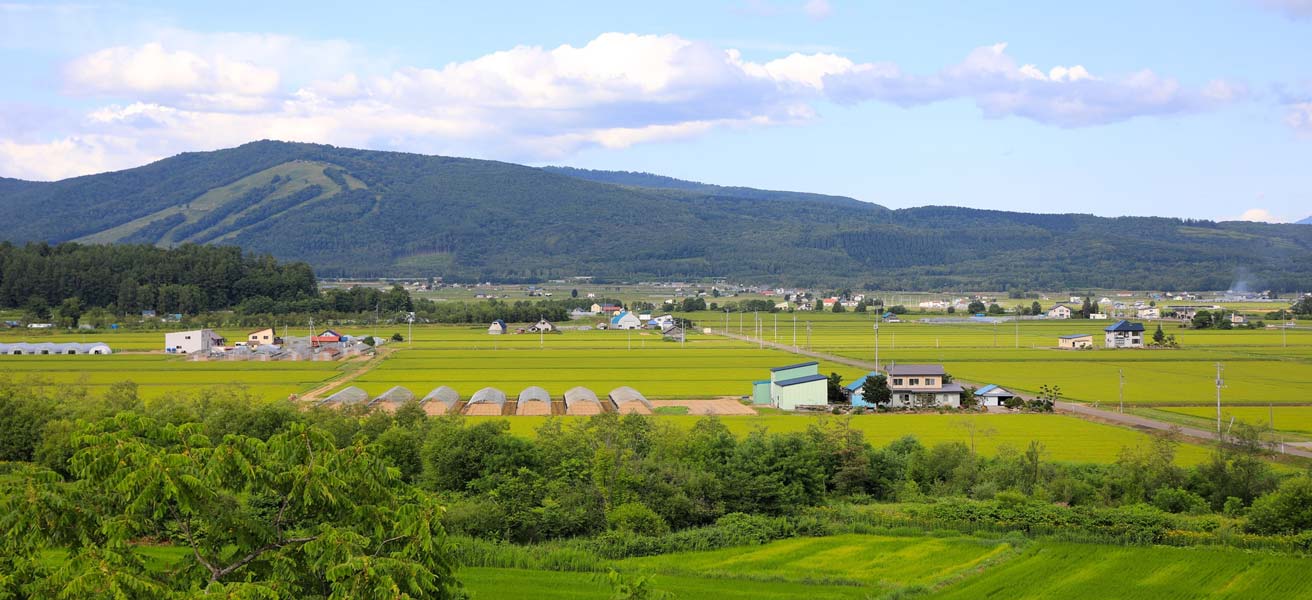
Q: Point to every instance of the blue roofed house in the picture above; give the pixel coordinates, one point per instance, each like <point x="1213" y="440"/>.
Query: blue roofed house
<point x="497" y="327"/>
<point x="855" y="393"/>
<point x="1124" y="334"/>
<point x="798" y="385"/>
<point x="920" y="386"/>
<point x="625" y="320"/>
<point x="992" y="395"/>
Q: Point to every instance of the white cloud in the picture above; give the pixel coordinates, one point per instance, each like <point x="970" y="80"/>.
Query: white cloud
<point x="188" y="91"/>
<point x="1300" y="118"/>
<point x="1294" y="9"/>
<point x="1062" y="96"/>
<point x="818" y="9"/>
<point x="1260" y="215"/>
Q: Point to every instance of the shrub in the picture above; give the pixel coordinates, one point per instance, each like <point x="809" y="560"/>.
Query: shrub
<point x="636" y="517"/>
<point x="1179" y="500"/>
<point x="1287" y="510"/>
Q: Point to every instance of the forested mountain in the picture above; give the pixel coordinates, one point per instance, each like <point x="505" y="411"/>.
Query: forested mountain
<point x="365" y="213"/>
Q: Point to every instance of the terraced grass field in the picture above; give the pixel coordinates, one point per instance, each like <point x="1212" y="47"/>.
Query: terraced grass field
<point x="884" y="563"/>
<point x="525" y="584"/>
<point x="1063" y="437"/>
<point x="1056" y="570"/>
<point x="1260" y="366"/>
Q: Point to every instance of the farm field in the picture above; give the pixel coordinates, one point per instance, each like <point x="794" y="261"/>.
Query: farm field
<point x="1064" y="437"/>
<point x="157" y="375"/>
<point x="1293" y="419"/>
<point x="468" y="359"/>
<point x="1059" y="570"/>
<point x="1260" y="366"/>
<point x="528" y="584"/>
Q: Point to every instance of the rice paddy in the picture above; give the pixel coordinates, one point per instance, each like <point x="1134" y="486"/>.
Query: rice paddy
<point x="1064" y="438"/>
<point x="1260" y="366"/>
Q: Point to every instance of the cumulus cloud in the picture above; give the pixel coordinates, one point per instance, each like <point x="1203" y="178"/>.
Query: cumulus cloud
<point x="1065" y="96"/>
<point x="1294" y="9"/>
<point x="1300" y="118"/>
<point x="198" y="91"/>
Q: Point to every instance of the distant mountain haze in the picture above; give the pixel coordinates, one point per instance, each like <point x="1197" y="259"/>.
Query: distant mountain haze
<point x="355" y="213"/>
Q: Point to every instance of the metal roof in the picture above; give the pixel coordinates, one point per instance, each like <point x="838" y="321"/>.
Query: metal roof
<point x="1075" y="336"/>
<point x="799" y="380"/>
<point x="1125" y="326"/>
<point x="785" y="368"/>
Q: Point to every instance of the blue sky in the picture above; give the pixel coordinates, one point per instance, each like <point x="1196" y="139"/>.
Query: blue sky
<point x="1189" y="109"/>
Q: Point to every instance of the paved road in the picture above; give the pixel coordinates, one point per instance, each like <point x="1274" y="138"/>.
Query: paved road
<point x="1079" y="410"/>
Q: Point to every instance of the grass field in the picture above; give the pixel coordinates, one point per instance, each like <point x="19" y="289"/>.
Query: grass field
<point x="1260" y="366"/>
<point x="880" y="562"/>
<point x="523" y="584"/>
<point x="1064" y="438"/>
<point x="1294" y="419"/>
<point x="1055" y="570"/>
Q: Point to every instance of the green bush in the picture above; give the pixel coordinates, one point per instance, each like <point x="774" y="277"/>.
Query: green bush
<point x="1180" y="500"/>
<point x="636" y="517"/>
<point x="1288" y="510"/>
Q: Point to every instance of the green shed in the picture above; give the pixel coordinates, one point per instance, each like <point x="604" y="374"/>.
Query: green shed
<point x="761" y="392"/>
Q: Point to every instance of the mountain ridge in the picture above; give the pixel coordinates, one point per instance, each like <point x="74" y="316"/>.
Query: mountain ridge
<point x="359" y="213"/>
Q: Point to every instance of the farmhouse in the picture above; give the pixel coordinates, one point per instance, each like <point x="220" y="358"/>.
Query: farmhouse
<point x="673" y="332"/>
<point x="625" y="320"/>
<point x="190" y="342"/>
<point x="922" y="385"/>
<point x="1059" y="311"/>
<point x="542" y="326"/>
<point x="497" y="327"/>
<point x="1151" y="312"/>
<point x="855" y="393"/>
<point x="1124" y="334"/>
<point x="1075" y="341"/>
<point x="1238" y="319"/>
<point x="992" y="395"/>
<point x="797" y="385"/>
<point x="327" y="337"/>
<point x="263" y="337"/>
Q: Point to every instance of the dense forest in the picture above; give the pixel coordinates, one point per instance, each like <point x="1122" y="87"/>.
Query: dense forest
<point x="268" y="500"/>
<point x="127" y="279"/>
<point x="365" y="213"/>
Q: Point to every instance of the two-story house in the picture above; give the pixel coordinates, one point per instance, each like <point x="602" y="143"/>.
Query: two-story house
<point x="922" y="386"/>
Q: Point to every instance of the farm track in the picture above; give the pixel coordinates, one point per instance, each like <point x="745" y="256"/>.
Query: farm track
<point x="364" y="367"/>
<point x="1079" y="410"/>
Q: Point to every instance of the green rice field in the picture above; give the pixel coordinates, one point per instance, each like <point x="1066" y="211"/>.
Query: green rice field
<point x="1056" y="570"/>
<point x="1259" y="366"/>
<point x="1064" y="437"/>
<point x="1293" y="419"/>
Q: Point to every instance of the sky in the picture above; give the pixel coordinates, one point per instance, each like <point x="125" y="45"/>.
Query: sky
<point x="1196" y="109"/>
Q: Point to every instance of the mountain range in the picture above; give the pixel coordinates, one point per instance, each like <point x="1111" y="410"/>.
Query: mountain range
<point x="355" y="213"/>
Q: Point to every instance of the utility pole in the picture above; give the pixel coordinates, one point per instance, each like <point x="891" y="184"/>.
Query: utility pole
<point x="1121" y="373"/>
<point x="776" y="328"/>
<point x="1018" y="332"/>
<point x="726" y="320"/>
<point x="995" y="334"/>
<point x="808" y="335"/>
<point x="740" y="322"/>
<point x="877" y="346"/>
<point x="1219" y="383"/>
<point x="794" y="332"/>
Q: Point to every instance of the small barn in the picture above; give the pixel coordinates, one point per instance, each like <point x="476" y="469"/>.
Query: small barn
<point x="807" y="390"/>
<point x="673" y="332"/>
<point x="761" y="392"/>
<point x="581" y="401"/>
<point x="487" y="402"/>
<point x="1059" y="311"/>
<point x="625" y="320"/>
<point x="628" y="400"/>
<point x="349" y="396"/>
<point x="992" y="395"/>
<point x="856" y="393"/>
<point x="533" y="401"/>
<point x="497" y="327"/>
<point x="1124" y="334"/>
<point x="542" y="326"/>
<point x="440" y="401"/>
<point x="1075" y="341"/>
